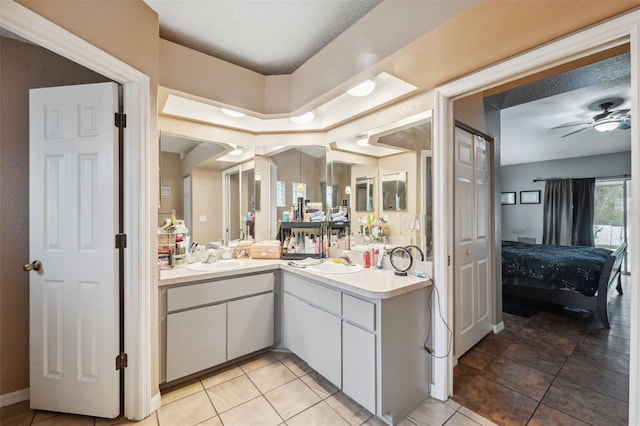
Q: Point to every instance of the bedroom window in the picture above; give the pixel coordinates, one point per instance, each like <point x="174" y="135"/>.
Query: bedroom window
<point x="612" y="200"/>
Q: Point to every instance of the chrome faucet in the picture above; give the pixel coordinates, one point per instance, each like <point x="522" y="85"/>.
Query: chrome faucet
<point x="212" y="257"/>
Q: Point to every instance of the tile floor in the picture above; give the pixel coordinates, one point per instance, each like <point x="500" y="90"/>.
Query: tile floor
<point x="553" y="368"/>
<point x="549" y="369"/>
<point x="273" y="388"/>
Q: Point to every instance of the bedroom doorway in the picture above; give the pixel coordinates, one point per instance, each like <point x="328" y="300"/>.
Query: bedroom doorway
<point x="612" y="201"/>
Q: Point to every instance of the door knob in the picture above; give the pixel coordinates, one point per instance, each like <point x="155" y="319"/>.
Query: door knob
<point x="36" y="265"/>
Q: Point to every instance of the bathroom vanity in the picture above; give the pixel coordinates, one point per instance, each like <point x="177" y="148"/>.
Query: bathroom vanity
<point x="363" y="331"/>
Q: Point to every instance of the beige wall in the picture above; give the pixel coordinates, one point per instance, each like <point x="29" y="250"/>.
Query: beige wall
<point x="206" y="193"/>
<point x="22" y="67"/>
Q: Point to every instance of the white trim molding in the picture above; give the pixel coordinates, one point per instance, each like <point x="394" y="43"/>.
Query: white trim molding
<point x="14" y="397"/>
<point x="617" y="31"/>
<point x="138" y="208"/>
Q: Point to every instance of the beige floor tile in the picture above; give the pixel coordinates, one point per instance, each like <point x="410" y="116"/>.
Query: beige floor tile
<point x="459" y="419"/>
<point x="256" y="412"/>
<point x="319" y="385"/>
<point x="187" y="411"/>
<point x="214" y="421"/>
<point x="406" y="422"/>
<point x="258" y="362"/>
<point x="66" y="420"/>
<point x="181" y="390"/>
<point x="292" y="398"/>
<point x="280" y="355"/>
<point x="431" y="412"/>
<point x="452" y="404"/>
<point x="151" y="420"/>
<point x="374" y="421"/>
<point x="476" y="417"/>
<point x="320" y="414"/>
<point x="350" y="410"/>
<point x="232" y="393"/>
<point x="221" y="376"/>
<point x="297" y="366"/>
<point x="271" y="376"/>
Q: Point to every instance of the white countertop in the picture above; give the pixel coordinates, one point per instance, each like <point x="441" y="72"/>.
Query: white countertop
<point x="371" y="283"/>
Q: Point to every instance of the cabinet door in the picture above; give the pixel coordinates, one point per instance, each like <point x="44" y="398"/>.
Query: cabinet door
<point x="359" y="365"/>
<point x="250" y="325"/>
<point x="196" y="340"/>
<point x="313" y="335"/>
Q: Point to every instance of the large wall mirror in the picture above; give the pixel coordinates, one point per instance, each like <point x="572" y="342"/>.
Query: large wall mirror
<point x="191" y="184"/>
<point x="389" y="183"/>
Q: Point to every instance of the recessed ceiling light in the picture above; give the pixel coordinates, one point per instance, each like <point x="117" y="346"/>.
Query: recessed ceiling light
<point x="362" y="140"/>
<point x="232" y="113"/>
<point x="307" y="117"/>
<point x="362" y="89"/>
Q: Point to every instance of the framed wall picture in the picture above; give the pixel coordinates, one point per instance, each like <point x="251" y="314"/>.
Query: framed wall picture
<point x="529" y="197"/>
<point x="507" y="198"/>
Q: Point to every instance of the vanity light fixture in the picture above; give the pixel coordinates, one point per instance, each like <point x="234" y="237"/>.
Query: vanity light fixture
<point x="232" y="113"/>
<point x="307" y="117"/>
<point x="606" y="125"/>
<point x="362" y="140"/>
<point x="362" y="89"/>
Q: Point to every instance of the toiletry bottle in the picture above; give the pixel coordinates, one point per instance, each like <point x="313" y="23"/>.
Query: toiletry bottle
<point x="173" y="216"/>
<point x="366" y="259"/>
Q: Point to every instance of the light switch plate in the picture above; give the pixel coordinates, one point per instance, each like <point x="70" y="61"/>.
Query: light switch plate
<point x="203" y="218"/>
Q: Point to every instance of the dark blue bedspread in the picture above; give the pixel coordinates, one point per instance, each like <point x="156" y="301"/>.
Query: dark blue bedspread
<point x="559" y="267"/>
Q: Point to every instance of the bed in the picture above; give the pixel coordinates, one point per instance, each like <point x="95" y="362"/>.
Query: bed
<point x="576" y="276"/>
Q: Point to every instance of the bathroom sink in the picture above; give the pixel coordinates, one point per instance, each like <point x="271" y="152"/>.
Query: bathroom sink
<point x="220" y="265"/>
<point x="329" y="267"/>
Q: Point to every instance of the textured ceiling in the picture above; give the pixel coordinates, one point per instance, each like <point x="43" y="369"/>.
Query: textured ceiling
<point x="269" y="37"/>
<point x="528" y="114"/>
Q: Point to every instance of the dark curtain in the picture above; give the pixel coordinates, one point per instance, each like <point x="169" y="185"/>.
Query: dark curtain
<point x="558" y="215"/>
<point x="583" y="212"/>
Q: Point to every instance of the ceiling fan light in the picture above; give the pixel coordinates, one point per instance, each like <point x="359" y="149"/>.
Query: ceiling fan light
<point x="307" y="117"/>
<point x="362" y="89"/>
<point x="232" y="113"/>
<point x="606" y="125"/>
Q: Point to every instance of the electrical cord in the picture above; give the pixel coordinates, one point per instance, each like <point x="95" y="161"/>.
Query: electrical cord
<point x="450" y="333"/>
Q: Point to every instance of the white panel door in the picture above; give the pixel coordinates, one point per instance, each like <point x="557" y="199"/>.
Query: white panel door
<point x="472" y="266"/>
<point x="74" y="323"/>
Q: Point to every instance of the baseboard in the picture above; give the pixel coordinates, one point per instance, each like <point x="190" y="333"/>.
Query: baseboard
<point x="497" y="328"/>
<point x="156" y="402"/>
<point x="14" y="397"/>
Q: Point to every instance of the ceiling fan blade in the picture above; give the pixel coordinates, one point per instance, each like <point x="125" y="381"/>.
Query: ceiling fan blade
<point x="581" y="123"/>
<point x="575" y="131"/>
<point x="620" y="113"/>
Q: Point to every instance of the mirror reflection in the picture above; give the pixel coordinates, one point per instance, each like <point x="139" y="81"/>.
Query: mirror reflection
<point x="394" y="191"/>
<point x="364" y="194"/>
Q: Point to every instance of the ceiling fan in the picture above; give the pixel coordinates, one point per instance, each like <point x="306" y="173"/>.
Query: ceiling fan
<point x="603" y="122"/>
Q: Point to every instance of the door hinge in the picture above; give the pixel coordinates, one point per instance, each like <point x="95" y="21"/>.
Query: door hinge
<point x="121" y="241"/>
<point x="449" y="260"/>
<point x="121" y="361"/>
<point x="120" y="120"/>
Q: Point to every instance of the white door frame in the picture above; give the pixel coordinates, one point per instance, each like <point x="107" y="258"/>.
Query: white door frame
<point x="140" y="399"/>
<point x="617" y="31"/>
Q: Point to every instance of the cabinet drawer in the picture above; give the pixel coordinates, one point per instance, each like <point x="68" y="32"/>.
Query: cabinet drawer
<point x="359" y="311"/>
<point x="218" y="291"/>
<point x="316" y="294"/>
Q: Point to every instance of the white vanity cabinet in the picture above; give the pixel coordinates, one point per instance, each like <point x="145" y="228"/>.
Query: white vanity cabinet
<point x="209" y="323"/>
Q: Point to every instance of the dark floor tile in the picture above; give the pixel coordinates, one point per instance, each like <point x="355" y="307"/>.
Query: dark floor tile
<point x="617" y="330"/>
<point x="545" y="416"/>
<point x="535" y="355"/>
<point x="514" y="323"/>
<point x="571" y="328"/>
<point x="16" y="414"/>
<point x="597" y="379"/>
<point x="477" y="357"/>
<point x="462" y="375"/>
<point x="496" y="402"/>
<point x="495" y="343"/>
<point x="595" y="356"/>
<point x="622" y="310"/>
<point x="585" y="404"/>
<point x="521" y="378"/>
<point x="608" y="342"/>
<point x="619" y="319"/>
<point x="551" y="340"/>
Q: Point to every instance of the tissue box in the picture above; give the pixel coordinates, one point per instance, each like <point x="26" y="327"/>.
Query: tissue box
<point x="266" y="250"/>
